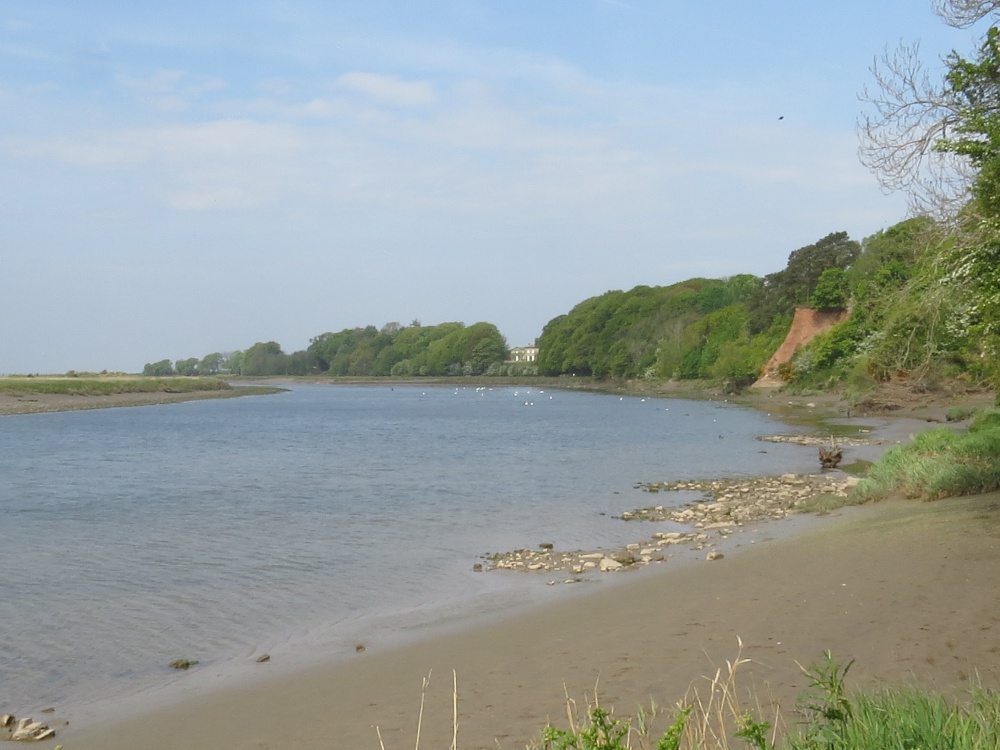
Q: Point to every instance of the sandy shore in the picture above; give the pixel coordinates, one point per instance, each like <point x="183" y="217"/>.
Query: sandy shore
<point x="906" y="589"/>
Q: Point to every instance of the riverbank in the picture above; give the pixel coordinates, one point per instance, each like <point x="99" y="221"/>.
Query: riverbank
<point x="906" y="589"/>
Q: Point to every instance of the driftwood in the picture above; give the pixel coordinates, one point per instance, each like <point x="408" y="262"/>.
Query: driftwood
<point x="830" y="458"/>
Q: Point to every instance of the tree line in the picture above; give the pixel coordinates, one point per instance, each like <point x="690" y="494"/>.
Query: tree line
<point x="394" y="349"/>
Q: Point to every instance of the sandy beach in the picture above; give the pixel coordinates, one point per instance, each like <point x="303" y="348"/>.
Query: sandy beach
<point x="906" y="589"/>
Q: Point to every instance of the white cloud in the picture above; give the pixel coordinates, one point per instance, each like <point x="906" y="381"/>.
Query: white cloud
<point x="389" y="89"/>
<point x="170" y="90"/>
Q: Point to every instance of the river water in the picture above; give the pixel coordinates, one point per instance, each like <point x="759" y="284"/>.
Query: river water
<point x="302" y="523"/>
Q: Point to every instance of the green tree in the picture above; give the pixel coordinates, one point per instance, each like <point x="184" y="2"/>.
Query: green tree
<point x="831" y="290"/>
<point x="211" y="364"/>
<point x="160" y="369"/>
<point x="264" y="358"/>
<point x="187" y="366"/>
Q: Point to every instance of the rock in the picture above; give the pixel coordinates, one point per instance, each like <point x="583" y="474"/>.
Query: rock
<point x="182" y="663"/>
<point x="714" y="555"/>
<point x="263" y="658"/>
<point x="29" y="730"/>
<point x="608" y="564"/>
<point x="477" y="567"/>
<point x="546" y="545"/>
<point x="624" y="558"/>
<point x="6" y="720"/>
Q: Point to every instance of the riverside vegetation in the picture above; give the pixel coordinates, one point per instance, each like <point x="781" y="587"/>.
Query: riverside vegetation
<point x="725" y="715"/>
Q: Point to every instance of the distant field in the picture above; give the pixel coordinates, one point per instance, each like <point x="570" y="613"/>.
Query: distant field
<point x="106" y="386"/>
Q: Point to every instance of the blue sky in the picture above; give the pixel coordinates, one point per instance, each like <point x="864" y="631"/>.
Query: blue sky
<point x="189" y="177"/>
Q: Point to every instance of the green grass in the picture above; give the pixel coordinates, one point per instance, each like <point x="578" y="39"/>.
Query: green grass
<point x="105" y="386"/>
<point x="939" y="463"/>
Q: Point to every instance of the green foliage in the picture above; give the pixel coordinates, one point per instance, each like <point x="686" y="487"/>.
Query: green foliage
<point x="794" y="286"/>
<point x="618" y="333"/>
<point x="161" y="369"/>
<point x="754" y="732"/>
<point x="986" y="419"/>
<point x="601" y="732"/>
<point x="831" y="290"/>
<point x="906" y="718"/>
<point x="446" y="349"/>
<point x="938" y="463"/>
<point x="264" y="358"/>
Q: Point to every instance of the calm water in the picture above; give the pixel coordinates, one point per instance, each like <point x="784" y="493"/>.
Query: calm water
<point x="300" y="523"/>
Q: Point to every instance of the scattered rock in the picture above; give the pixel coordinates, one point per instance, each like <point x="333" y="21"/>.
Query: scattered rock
<point x="714" y="555"/>
<point x="608" y="564"/>
<point x="815" y="440"/>
<point x="359" y="647"/>
<point x="546" y="545"/>
<point x="182" y="663"/>
<point x="727" y="506"/>
<point x="477" y="567"/>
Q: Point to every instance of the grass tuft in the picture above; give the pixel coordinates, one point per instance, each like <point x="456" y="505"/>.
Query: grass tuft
<point x="938" y="463"/>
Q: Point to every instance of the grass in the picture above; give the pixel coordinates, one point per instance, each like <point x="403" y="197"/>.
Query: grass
<point x="106" y="386"/>
<point x="939" y="463"/>
<point x="718" y="713"/>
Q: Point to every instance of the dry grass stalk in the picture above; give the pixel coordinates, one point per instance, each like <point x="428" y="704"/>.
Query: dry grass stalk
<point x="720" y="713"/>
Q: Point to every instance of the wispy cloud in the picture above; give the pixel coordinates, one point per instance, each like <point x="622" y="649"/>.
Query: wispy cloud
<point x="390" y="90"/>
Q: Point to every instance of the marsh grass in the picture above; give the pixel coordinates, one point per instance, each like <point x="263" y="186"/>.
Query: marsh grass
<point x="938" y="463"/>
<point x="106" y="386"/>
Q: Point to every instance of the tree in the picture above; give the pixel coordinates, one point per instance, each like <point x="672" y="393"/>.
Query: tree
<point x="831" y="290"/>
<point x="264" y="359"/>
<point x="187" y="366"/>
<point x="160" y="369"/>
<point x="211" y="364"/>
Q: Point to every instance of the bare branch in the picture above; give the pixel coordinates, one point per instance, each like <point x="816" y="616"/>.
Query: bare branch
<point x="964" y="13"/>
<point x="907" y="117"/>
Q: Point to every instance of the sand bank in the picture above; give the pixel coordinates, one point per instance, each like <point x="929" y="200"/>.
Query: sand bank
<point x="35" y="403"/>
<point x="909" y="590"/>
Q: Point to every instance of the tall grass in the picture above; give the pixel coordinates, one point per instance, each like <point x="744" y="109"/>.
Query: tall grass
<point x="100" y="386"/>
<point x="939" y="463"/>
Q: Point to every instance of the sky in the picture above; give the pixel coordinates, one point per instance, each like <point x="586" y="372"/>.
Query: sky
<point x="190" y="177"/>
